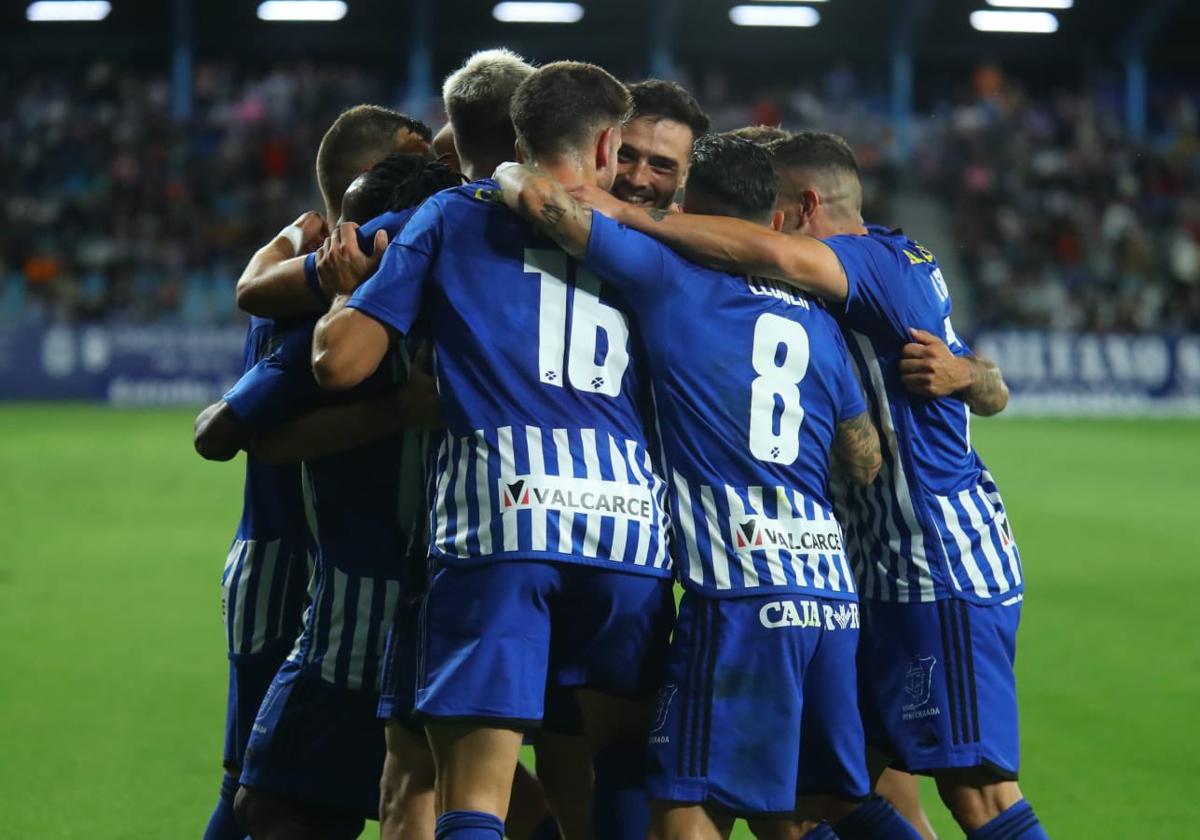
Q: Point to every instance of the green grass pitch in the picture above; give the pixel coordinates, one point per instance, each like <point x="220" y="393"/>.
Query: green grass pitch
<point x="112" y="693"/>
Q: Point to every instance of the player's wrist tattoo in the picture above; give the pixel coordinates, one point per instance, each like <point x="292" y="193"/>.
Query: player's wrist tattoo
<point x="987" y="394"/>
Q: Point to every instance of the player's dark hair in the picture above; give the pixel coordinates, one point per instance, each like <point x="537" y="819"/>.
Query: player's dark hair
<point x="397" y="182"/>
<point x="659" y="99"/>
<point x="821" y="154"/>
<point x="357" y="139"/>
<point x="816" y="151"/>
<point x="763" y="135"/>
<point x="734" y="177"/>
<point x="562" y="106"/>
<point x="478" y="97"/>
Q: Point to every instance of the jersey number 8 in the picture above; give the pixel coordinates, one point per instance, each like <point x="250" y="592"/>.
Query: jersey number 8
<point x="590" y="319"/>
<point x="775" y="409"/>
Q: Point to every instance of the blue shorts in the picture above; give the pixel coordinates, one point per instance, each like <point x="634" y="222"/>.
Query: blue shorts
<point x="494" y="635"/>
<point x="249" y="677"/>
<point x="318" y="743"/>
<point x="398" y="682"/>
<point x="936" y="684"/>
<point x="759" y="705"/>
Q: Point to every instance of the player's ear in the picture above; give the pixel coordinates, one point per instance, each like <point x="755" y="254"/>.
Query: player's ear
<point x="810" y="200"/>
<point x="518" y="155"/>
<point x="777" y="220"/>
<point x="606" y="147"/>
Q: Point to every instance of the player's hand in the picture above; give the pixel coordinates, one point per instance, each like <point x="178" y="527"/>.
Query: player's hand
<point x="418" y="400"/>
<point x="928" y="368"/>
<point x="341" y="264"/>
<point x="598" y="199"/>
<point x="313" y="231"/>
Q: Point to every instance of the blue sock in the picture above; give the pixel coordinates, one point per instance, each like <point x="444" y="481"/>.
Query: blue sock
<point x="821" y="832"/>
<point x="222" y="825"/>
<point x="547" y="829"/>
<point x="875" y="819"/>
<point x="620" y="807"/>
<point x="1018" y="822"/>
<point x="469" y="825"/>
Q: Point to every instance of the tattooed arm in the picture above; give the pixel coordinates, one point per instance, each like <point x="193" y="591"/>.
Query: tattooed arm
<point x="733" y="245"/>
<point x="856" y="449"/>
<point x="545" y="202"/>
<point x="929" y="369"/>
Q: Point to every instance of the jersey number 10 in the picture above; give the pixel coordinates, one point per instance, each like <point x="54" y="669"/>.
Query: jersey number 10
<point x="775" y="409"/>
<point x="590" y="319"/>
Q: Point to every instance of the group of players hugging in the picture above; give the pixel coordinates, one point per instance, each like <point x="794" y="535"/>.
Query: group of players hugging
<point x="494" y="411"/>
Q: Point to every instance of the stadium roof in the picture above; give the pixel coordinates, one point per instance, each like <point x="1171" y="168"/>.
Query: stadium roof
<point x="618" y="33"/>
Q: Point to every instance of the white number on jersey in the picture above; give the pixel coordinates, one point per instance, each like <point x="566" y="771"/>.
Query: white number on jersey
<point x="778" y="382"/>
<point x="589" y="318"/>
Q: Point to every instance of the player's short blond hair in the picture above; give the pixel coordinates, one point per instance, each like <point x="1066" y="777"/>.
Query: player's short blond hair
<point x="477" y="97"/>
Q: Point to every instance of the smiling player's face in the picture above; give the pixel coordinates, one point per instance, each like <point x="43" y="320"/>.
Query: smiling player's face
<point x="652" y="162"/>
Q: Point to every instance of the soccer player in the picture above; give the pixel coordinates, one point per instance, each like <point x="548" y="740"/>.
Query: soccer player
<point x="316" y="749"/>
<point x="547" y="527"/>
<point x="656" y="143"/>
<point x="266" y="571"/>
<point x="940" y="576"/>
<point x="769" y="610"/>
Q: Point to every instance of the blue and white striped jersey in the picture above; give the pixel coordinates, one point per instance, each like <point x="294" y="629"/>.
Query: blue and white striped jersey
<point x="266" y="569"/>
<point x="933" y="525"/>
<point x="749" y="381"/>
<point x="545" y="454"/>
<point x="365" y="507"/>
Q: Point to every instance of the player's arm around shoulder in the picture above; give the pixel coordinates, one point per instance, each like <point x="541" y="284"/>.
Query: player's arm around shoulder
<point x="546" y="204"/>
<point x="732" y="245"/>
<point x="274" y="283"/>
<point x="217" y="435"/>
<point x="348" y="344"/>
<point x="929" y="368"/>
<point x="856" y="449"/>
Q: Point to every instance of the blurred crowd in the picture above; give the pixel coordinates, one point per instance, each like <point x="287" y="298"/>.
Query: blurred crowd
<point x="1063" y="222"/>
<point x="1058" y="219"/>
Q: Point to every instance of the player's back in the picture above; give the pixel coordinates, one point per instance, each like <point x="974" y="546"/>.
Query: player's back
<point x="266" y="568"/>
<point x="750" y="381"/>
<point x="544" y="455"/>
<point x="933" y="525"/>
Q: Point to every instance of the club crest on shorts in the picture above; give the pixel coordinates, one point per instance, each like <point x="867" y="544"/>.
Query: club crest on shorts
<point x="665" y="695"/>
<point x="918" y="680"/>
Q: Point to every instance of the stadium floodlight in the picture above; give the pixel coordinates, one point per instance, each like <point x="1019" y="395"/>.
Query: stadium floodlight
<point x="1032" y="4"/>
<point x="301" y="10"/>
<point x="774" y="16"/>
<point x="1035" y="22"/>
<point x="46" y="11"/>
<point x="538" y="12"/>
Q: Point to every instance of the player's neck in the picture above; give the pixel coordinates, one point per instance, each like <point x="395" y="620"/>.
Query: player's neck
<point x="474" y="170"/>
<point x="568" y="171"/>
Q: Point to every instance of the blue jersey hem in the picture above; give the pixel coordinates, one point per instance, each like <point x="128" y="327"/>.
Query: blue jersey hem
<point x="553" y="557"/>
<point x="955" y="595"/>
<point x="766" y="591"/>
